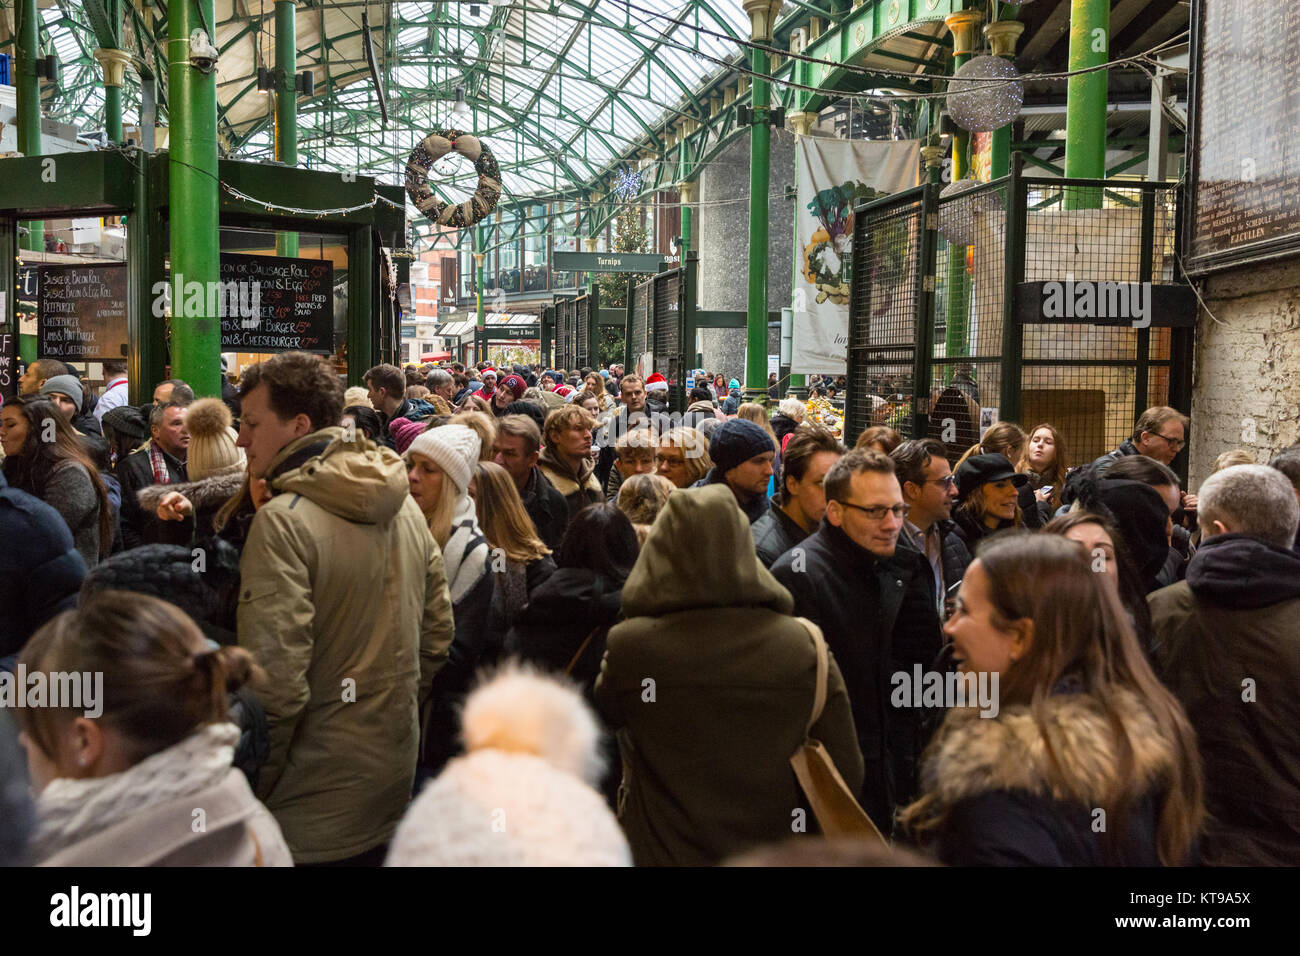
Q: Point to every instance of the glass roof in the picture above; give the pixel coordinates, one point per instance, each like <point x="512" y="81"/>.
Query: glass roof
<point x="560" y="90"/>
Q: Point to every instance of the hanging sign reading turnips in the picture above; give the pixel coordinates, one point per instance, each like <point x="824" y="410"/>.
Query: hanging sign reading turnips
<point x="437" y="145"/>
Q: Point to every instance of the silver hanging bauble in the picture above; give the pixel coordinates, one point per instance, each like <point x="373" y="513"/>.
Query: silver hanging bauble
<point x="984" y="106"/>
<point x="957" y="216"/>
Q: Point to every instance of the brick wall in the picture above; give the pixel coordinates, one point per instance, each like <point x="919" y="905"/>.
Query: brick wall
<point x="1246" y="387"/>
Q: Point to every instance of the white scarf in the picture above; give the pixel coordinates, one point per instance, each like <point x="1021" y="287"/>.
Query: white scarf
<point x="71" y="810"/>
<point x="465" y="565"/>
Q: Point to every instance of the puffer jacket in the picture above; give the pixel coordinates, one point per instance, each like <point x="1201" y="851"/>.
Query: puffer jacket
<point x="711" y="682"/>
<point x="989" y="798"/>
<point x="344" y="602"/>
<point x="775" y="533"/>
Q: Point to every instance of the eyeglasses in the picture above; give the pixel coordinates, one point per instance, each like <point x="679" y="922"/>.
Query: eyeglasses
<point x="667" y="460"/>
<point x="1173" y="442"/>
<point x="878" y="512"/>
<point x="948" y="482"/>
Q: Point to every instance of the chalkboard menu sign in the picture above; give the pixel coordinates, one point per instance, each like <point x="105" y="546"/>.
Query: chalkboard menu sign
<point x="8" y="380"/>
<point x="277" y="304"/>
<point x="1244" y="163"/>
<point x="81" y="311"/>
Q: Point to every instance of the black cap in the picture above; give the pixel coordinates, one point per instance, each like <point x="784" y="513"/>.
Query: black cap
<point x="979" y="470"/>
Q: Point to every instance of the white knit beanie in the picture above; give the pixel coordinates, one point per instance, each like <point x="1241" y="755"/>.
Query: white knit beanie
<point x="453" y="448"/>
<point x="523" y="794"/>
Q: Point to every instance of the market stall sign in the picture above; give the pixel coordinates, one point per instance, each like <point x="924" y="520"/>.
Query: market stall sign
<point x="81" y="311"/>
<point x="632" y="262"/>
<point x="295" y="309"/>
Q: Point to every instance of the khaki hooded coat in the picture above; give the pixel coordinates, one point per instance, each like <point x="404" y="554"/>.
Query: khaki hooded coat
<point x="344" y="603"/>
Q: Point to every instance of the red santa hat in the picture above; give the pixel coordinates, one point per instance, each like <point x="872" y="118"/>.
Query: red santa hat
<point x="564" y="390"/>
<point x="656" y="382"/>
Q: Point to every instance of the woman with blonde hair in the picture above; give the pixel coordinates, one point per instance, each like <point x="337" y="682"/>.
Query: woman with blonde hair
<point x="512" y="535"/>
<point x="683" y="456"/>
<point x="1082" y="732"/>
<point x="594" y="385"/>
<point x="442" y="465"/>
<point x="641" y="498"/>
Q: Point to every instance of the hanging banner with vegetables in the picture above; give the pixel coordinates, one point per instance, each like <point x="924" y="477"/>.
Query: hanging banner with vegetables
<point x="834" y="176"/>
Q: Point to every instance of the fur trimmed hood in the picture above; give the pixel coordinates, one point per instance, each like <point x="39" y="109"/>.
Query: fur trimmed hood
<point x="213" y="490"/>
<point x="971" y="756"/>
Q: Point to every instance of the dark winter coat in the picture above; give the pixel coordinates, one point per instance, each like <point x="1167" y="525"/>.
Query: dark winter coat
<point x="547" y="508"/>
<point x="707" y="741"/>
<point x="511" y="591"/>
<point x="783" y="425"/>
<point x="879" y="617"/>
<point x="954" y="556"/>
<point x="754" y="509"/>
<point x="40" y="568"/>
<point x="988" y="782"/>
<point x="1101" y="465"/>
<point x="775" y="533"/>
<point x="135" y="473"/>
<point x="971" y="531"/>
<point x="572" y="604"/>
<point x="1228" y="646"/>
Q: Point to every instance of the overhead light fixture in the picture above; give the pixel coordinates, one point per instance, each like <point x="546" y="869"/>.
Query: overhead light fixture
<point x="460" y="113"/>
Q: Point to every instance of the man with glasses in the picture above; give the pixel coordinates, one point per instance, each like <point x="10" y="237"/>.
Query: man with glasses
<point x="873" y="598"/>
<point x="1160" y="433"/>
<point x="929" y="489"/>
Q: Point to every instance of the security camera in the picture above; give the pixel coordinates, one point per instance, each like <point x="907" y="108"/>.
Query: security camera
<point x="203" y="55"/>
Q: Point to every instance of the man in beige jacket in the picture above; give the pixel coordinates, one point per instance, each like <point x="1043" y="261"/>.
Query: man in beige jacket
<point x="344" y="602"/>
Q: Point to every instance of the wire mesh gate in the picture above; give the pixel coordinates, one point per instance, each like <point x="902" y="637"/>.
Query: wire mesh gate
<point x="660" y="334"/>
<point x="945" y="339"/>
<point x="575" y="332"/>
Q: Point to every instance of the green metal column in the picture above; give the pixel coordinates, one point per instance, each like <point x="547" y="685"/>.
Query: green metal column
<point x="1085" y="105"/>
<point x="803" y="124"/>
<point x="762" y="14"/>
<point x="964" y="27"/>
<point x="193" y="213"/>
<point x="1002" y="36"/>
<point x="687" y="192"/>
<point x="29" y="127"/>
<point x="286" y="104"/>
<point x="113" y="61"/>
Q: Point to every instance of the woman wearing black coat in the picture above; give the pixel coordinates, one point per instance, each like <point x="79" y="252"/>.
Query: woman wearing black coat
<point x="1084" y="758"/>
<point x="569" y="615"/>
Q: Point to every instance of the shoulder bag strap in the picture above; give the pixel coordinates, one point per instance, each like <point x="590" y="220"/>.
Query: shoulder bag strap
<point x="568" y="671"/>
<point x="823" y="669"/>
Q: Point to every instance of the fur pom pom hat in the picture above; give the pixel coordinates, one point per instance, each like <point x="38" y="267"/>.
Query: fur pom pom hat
<point x="212" y="448"/>
<point x="356" y="395"/>
<point x="523" y="794"/>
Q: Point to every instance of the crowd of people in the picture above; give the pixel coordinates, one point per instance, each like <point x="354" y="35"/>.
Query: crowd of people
<point x="519" y="616"/>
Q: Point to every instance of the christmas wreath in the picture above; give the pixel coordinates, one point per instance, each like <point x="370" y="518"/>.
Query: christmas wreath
<point x="436" y="145"/>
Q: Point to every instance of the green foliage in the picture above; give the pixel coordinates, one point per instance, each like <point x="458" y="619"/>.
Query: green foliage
<point x="610" y="348"/>
<point x="629" y="236"/>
